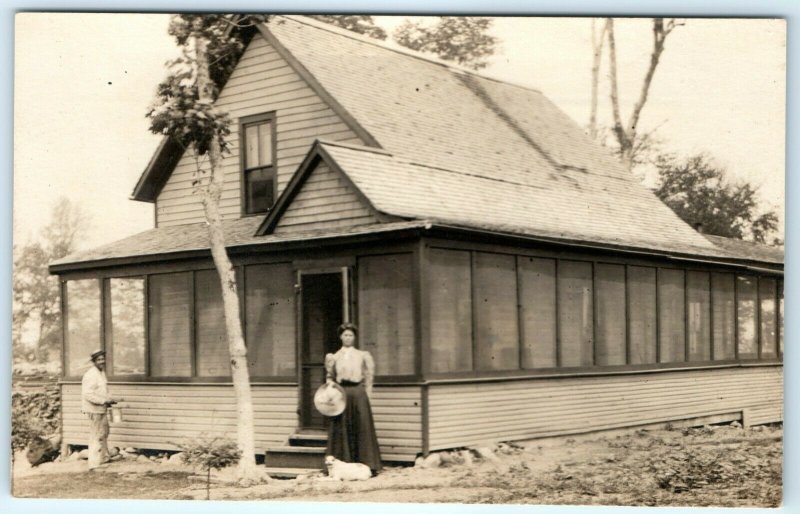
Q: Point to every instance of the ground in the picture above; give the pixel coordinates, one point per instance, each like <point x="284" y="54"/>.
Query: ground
<point x="717" y="465"/>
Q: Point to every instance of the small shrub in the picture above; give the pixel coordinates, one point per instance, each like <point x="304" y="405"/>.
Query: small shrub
<point x="210" y="453"/>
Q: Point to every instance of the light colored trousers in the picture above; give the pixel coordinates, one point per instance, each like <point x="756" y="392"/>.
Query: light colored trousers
<point x="98" y="439"/>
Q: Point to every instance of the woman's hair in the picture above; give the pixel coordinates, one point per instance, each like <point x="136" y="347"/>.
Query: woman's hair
<point x="347" y="326"/>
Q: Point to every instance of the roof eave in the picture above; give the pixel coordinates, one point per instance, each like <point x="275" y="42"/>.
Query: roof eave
<point x="750" y="264"/>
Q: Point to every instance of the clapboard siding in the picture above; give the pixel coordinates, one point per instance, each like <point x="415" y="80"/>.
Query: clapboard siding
<point x="324" y="201"/>
<point x="476" y="413"/>
<point x="262" y="82"/>
<point x="398" y="422"/>
<point x="159" y="416"/>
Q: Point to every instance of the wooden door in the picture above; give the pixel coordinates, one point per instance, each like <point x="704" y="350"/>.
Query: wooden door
<point x="323" y="307"/>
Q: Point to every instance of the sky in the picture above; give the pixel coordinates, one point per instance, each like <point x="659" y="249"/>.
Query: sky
<point x="83" y="83"/>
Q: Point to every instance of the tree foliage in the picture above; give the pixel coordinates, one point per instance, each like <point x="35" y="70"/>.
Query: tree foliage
<point x="35" y="292"/>
<point x="699" y="192"/>
<point x="180" y="110"/>
<point x="356" y="23"/>
<point x="462" y="39"/>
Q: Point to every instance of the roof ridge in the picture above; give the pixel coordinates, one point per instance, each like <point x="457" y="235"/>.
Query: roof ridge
<point x="305" y="20"/>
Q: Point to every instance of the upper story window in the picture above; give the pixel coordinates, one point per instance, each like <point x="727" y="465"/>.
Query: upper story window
<point x="259" y="184"/>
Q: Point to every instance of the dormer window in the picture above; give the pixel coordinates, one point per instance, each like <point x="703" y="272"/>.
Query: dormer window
<point x="257" y="141"/>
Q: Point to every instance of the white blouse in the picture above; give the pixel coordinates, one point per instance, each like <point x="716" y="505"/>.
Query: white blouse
<point x="351" y="364"/>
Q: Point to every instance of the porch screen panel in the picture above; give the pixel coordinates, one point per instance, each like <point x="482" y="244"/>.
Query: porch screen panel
<point x="495" y="311"/>
<point x="767" y="289"/>
<point x="83" y="324"/>
<point x="270" y="320"/>
<point x="170" y="325"/>
<point x="385" y="312"/>
<point x="126" y="335"/>
<point x="724" y="315"/>
<point x="213" y="357"/>
<point x="746" y="335"/>
<point x="450" y="310"/>
<point x="699" y="310"/>
<point x="780" y="318"/>
<point x="609" y="282"/>
<point x="642" y="314"/>
<point x="537" y="294"/>
<point x="575" y="315"/>
<point x="671" y="312"/>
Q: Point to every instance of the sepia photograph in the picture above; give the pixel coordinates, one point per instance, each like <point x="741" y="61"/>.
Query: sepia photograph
<point x="398" y="259"/>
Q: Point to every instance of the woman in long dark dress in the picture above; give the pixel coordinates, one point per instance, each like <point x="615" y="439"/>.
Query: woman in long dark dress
<point x="351" y="435"/>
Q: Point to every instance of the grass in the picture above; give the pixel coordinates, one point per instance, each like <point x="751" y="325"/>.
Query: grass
<point x="93" y="484"/>
<point x="726" y="466"/>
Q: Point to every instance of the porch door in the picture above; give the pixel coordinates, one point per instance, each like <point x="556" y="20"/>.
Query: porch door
<point x="324" y="305"/>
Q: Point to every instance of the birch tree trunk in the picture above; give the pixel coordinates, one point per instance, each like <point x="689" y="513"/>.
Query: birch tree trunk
<point x="211" y="194"/>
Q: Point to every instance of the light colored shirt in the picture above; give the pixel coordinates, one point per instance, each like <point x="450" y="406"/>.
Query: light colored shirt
<point x="94" y="391"/>
<point x="351" y="364"/>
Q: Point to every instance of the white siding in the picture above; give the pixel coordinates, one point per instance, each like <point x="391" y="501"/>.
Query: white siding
<point x="468" y="414"/>
<point x="324" y="201"/>
<point x="262" y="82"/>
<point x="159" y="416"/>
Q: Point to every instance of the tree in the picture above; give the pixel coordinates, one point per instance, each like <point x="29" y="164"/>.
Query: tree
<point x="597" y="54"/>
<point x="699" y="192"/>
<point x="361" y="24"/>
<point x="626" y="134"/>
<point x="35" y="292"/>
<point x="453" y="38"/>
<point x="185" y="111"/>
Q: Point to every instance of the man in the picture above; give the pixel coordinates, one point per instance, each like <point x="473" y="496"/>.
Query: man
<point x="94" y="403"/>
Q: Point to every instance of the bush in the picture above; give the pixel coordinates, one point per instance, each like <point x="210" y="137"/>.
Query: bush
<point x="210" y="453"/>
<point x="35" y="415"/>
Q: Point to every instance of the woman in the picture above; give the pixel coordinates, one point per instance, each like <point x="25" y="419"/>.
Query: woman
<point x="351" y="434"/>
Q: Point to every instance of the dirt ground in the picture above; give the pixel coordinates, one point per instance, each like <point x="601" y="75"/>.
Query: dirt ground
<point x="717" y="465"/>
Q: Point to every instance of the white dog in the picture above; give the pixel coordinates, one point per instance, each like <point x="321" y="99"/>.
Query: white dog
<point x="338" y="470"/>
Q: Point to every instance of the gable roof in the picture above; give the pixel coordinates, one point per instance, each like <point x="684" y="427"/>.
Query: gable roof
<point x="401" y="189"/>
<point x="466" y="149"/>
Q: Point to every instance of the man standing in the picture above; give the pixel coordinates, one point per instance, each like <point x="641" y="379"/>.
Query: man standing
<point x="94" y="403"/>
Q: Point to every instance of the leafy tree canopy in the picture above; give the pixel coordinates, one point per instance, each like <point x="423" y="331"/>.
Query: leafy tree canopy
<point x="360" y="24"/>
<point x="699" y="192"/>
<point x="454" y="38"/>
<point x="180" y="111"/>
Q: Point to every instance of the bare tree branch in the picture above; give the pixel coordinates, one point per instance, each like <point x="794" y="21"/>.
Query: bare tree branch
<point x="597" y="54"/>
<point x="612" y="75"/>
<point x="626" y="134"/>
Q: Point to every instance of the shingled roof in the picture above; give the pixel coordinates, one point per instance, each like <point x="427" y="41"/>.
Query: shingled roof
<point x="458" y="148"/>
<point x="491" y="135"/>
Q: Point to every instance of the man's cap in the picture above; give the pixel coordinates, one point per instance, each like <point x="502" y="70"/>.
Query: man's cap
<point x="97" y="354"/>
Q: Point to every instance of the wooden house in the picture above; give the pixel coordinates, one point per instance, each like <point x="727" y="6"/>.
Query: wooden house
<point x="510" y="278"/>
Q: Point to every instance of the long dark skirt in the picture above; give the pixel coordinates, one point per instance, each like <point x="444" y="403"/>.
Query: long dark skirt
<point x="351" y="434"/>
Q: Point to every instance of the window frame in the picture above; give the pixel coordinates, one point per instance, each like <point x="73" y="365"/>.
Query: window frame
<point x="108" y="329"/>
<point x="244" y="171"/>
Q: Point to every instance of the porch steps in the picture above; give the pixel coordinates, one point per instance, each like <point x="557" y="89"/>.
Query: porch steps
<point x="305" y="451"/>
<point x="289" y="472"/>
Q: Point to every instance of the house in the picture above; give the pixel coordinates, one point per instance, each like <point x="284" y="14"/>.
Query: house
<point x="510" y="278"/>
